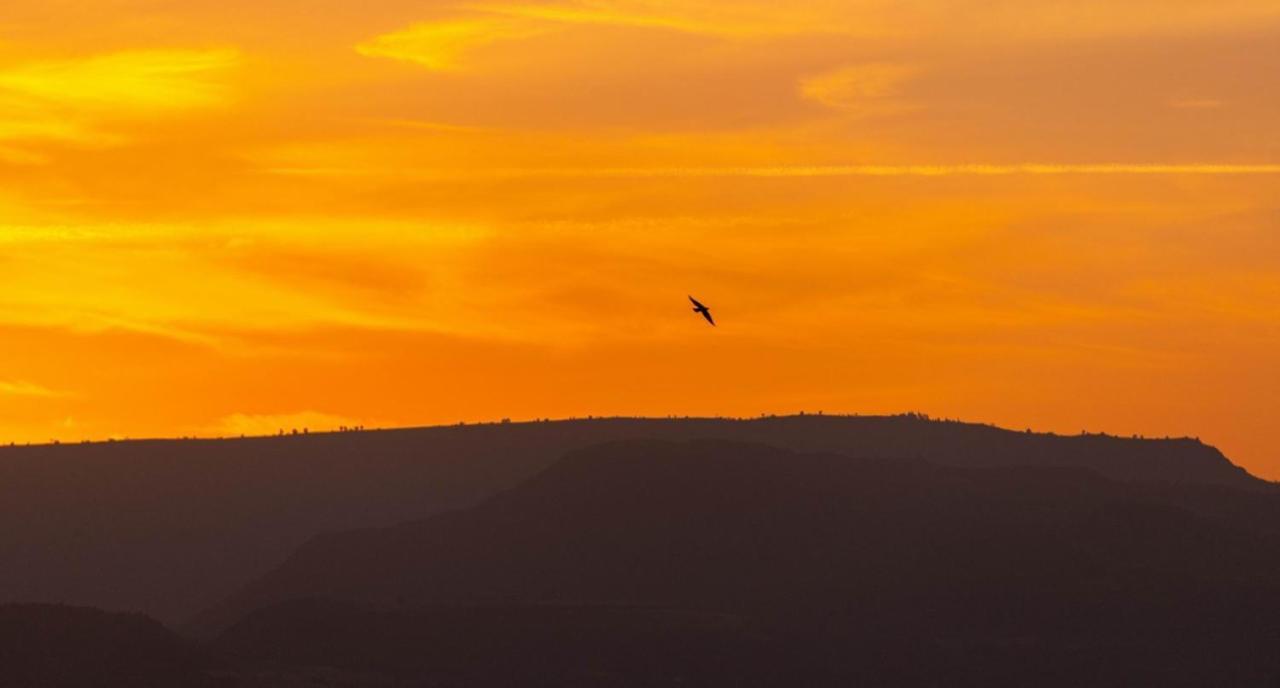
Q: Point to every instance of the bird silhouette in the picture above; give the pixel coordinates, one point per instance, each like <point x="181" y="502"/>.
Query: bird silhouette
<point x="699" y="308"/>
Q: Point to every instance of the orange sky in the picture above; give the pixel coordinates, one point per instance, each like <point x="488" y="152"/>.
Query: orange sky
<point x="225" y="216"/>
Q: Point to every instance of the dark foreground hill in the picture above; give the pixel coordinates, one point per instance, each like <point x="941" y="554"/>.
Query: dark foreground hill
<point x="169" y="527"/>
<point x="715" y="563"/>
<point x="720" y="563"/>
<point x="52" y="646"/>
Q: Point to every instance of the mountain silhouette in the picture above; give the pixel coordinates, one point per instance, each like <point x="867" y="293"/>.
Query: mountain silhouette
<point x="55" y="646"/>
<point x="500" y="645"/>
<point x="169" y="527"/>
<point x="788" y="568"/>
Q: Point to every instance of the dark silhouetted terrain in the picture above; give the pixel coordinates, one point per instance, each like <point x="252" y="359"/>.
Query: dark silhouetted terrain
<point x="780" y="568"/>
<point x="493" y="645"/>
<point x="170" y="527"/>
<point x="52" y="646"/>
<point x="714" y="562"/>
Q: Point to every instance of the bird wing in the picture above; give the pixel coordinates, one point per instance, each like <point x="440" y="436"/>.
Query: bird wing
<point x="697" y="303"/>
<point x="707" y="314"/>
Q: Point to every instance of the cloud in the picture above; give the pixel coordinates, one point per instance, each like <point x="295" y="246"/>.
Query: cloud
<point x="863" y="88"/>
<point x="142" y="80"/>
<point x="778" y="171"/>
<point x="17" y="156"/>
<point x="74" y="100"/>
<point x="30" y="122"/>
<point x="439" y="45"/>
<point x="19" y="388"/>
<point x="240" y="274"/>
<point x="738" y="19"/>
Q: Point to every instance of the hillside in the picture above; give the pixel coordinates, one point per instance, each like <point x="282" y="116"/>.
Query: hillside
<point x="171" y="526"/>
<point x="789" y="567"/>
<point x="54" y="646"/>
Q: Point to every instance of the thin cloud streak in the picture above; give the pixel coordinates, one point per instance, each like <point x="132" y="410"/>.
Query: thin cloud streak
<point x="976" y="170"/>
<point x="26" y="389"/>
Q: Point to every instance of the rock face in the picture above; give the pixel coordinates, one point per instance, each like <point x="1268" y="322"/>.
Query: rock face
<point x="170" y="527"/>
<point x="794" y="566"/>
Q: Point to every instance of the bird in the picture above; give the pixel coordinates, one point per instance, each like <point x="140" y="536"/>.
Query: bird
<point x="699" y="308"/>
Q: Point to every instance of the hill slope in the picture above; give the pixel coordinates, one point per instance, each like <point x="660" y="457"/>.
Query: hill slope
<point x="824" y="568"/>
<point x="53" y="646"/>
<point x="169" y="527"/>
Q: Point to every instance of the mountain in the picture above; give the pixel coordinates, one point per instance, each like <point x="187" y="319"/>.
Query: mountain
<point x="788" y="568"/>
<point x="169" y="527"/>
<point x="54" y="646"/>
<point x="499" y="645"/>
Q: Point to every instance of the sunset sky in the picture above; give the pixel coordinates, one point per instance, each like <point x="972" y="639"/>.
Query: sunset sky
<point x="233" y="216"/>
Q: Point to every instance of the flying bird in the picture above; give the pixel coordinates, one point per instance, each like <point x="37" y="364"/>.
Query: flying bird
<point x="699" y="308"/>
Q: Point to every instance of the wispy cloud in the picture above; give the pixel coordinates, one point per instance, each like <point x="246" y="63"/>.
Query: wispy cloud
<point x="150" y="80"/>
<point x="743" y="19"/>
<point x="439" y="45"/>
<point x="18" y="388"/>
<point x="442" y="44"/>
<point x="986" y="170"/>
<point x="70" y="100"/>
<point x="867" y="89"/>
<point x="16" y="156"/>
<point x="423" y="125"/>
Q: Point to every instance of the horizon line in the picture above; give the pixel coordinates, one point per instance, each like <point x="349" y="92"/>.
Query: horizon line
<point x="293" y="433"/>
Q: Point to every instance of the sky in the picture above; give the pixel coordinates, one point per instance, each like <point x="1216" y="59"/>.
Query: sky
<point x="224" y="217"/>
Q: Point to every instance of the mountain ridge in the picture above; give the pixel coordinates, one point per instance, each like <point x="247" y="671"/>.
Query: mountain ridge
<point x="789" y="568"/>
<point x="714" y="482"/>
<point x="172" y="526"/>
